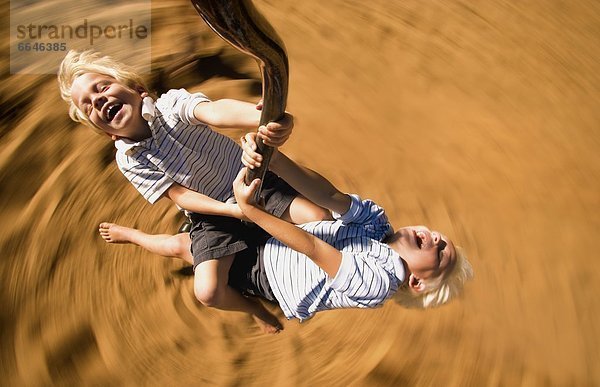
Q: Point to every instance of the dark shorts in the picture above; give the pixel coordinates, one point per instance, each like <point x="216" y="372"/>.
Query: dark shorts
<point x="248" y="275"/>
<point x="214" y="237"/>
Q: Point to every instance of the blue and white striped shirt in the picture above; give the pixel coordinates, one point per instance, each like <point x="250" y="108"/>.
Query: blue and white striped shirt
<point x="181" y="150"/>
<point x="369" y="274"/>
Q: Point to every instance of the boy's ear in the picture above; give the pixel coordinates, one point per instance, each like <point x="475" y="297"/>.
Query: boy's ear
<point x="141" y="91"/>
<point x="415" y="284"/>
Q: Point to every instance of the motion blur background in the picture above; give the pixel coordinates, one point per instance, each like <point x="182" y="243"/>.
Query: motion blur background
<point x="480" y="119"/>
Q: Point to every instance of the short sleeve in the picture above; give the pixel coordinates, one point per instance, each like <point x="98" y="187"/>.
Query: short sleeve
<point x="182" y="104"/>
<point x="368" y="214"/>
<point x="150" y="182"/>
<point x="362" y="280"/>
<point x="353" y="211"/>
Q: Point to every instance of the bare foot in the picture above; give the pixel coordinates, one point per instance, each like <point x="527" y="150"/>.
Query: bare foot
<point x="269" y="324"/>
<point x="113" y="233"/>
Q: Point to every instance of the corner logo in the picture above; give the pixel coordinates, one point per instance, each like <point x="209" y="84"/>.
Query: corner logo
<point x="41" y="33"/>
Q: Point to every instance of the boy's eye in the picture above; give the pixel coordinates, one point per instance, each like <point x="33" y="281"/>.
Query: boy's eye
<point x="441" y="248"/>
<point x="441" y="254"/>
<point x="101" y="86"/>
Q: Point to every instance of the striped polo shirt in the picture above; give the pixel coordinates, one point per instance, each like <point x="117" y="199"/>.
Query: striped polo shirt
<point x="181" y="150"/>
<point x="369" y="274"/>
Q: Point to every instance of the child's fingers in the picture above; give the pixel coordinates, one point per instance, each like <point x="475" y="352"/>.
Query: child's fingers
<point x="253" y="186"/>
<point x="249" y="141"/>
<point x="286" y="122"/>
<point x="273" y="129"/>
<point x="244" y="193"/>
<point x="240" y="176"/>
<point x="249" y="161"/>
<point x="240" y="179"/>
<point x="250" y="157"/>
<point x="274" y="141"/>
<point x="246" y="163"/>
<point x="273" y="138"/>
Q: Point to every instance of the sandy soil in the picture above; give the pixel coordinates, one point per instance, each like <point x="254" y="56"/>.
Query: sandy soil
<point x="480" y="119"/>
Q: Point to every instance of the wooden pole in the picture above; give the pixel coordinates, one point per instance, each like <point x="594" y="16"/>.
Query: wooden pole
<point x="240" y="24"/>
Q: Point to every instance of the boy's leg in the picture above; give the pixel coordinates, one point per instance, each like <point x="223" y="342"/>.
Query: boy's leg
<point x="302" y="210"/>
<point x="286" y="203"/>
<point x="211" y="289"/>
<point x="177" y="246"/>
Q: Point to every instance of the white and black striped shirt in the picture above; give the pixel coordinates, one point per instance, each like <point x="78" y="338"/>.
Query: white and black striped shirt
<point x="181" y="150"/>
<point x="369" y="274"/>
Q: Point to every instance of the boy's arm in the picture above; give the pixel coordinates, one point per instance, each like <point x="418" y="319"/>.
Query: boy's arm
<point x="320" y="252"/>
<point x="202" y="204"/>
<point x="230" y="113"/>
<point x="309" y="183"/>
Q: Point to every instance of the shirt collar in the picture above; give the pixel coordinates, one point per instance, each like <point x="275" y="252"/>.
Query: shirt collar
<point x="148" y="113"/>
<point x="125" y="145"/>
<point x="399" y="268"/>
<point x="148" y="105"/>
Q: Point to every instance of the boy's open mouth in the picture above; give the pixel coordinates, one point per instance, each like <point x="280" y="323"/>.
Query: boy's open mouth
<point x="418" y="240"/>
<point x="112" y="111"/>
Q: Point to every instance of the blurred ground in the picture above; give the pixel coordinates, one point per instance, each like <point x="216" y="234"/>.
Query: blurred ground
<point x="480" y="119"/>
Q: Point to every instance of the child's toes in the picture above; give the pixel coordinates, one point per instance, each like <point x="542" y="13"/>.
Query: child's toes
<point x="105" y="226"/>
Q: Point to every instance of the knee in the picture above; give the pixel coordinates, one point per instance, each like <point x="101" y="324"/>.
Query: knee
<point x="179" y="245"/>
<point x="320" y="213"/>
<point x="208" y="295"/>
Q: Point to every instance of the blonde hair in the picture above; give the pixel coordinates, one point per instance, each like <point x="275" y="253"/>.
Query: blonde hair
<point x="440" y="290"/>
<point x="78" y="63"/>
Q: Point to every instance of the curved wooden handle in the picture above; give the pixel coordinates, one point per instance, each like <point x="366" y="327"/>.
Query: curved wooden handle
<point x="239" y="23"/>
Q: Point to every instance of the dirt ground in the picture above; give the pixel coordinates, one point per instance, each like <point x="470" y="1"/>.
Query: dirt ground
<point x="480" y="119"/>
